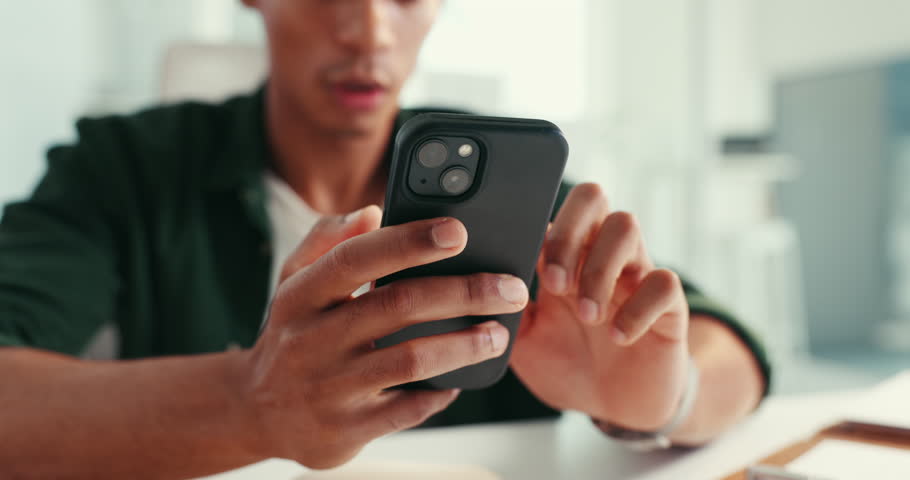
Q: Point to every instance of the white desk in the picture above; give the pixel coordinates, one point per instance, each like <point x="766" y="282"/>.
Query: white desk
<point x="572" y="448"/>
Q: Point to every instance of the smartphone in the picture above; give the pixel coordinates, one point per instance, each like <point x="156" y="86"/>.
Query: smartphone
<point x="498" y="176"/>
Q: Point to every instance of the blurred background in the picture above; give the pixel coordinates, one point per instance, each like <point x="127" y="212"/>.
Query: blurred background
<point x="764" y="144"/>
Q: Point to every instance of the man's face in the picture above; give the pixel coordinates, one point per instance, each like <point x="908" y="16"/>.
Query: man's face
<point x="342" y="63"/>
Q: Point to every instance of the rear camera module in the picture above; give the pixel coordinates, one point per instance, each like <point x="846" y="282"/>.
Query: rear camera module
<point x="456" y="181"/>
<point x="432" y="154"/>
<point x="441" y="166"/>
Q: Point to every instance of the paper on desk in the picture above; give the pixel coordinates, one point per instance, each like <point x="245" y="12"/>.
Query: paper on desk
<point x="402" y="471"/>
<point x="844" y="460"/>
<point x="886" y="404"/>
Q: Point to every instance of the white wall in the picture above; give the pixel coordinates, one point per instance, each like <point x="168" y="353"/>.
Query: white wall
<point x="752" y="42"/>
<point x="60" y="60"/>
<point x="808" y="35"/>
<point x="737" y="83"/>
<point x="47" y="73"/>
<point x="530" y="53"/>
<point x="841" y="45"/>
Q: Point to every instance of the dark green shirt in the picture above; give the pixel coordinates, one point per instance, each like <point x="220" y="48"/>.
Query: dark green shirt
<point x="156" y="222"/>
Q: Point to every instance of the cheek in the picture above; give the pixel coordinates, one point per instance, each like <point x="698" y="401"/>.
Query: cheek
<point x="291" y="47"/>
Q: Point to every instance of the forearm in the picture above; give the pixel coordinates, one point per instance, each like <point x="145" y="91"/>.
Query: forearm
<point x="730" y="385"/>
<point x="162" y="418"/>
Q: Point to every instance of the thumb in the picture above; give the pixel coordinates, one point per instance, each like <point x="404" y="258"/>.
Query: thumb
<point x="328" y="232"/>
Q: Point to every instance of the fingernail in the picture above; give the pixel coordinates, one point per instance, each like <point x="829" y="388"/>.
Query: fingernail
<point x="557" y="278"/>
<point x="588" y="311"/>
<point x="512" y="289"/>
<point x="499" y="337"/>
<point x="618" y="336"/>
<point x="447" y="234"/>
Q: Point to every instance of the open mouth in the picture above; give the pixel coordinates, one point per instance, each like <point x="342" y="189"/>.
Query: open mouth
<point x="359" y="95"/>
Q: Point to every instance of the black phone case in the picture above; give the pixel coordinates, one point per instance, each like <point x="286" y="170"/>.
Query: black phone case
<point x="506" y="213"/>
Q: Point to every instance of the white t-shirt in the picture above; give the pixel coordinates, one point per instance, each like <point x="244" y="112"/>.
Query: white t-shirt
<point x="290" y="219"/>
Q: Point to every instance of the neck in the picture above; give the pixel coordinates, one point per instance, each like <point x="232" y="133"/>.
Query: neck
<point x="332" y="172"/>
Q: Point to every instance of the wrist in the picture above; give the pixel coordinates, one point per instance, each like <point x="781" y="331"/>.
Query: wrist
<point x="650" y="398"/>
<point x="248" y="427"/>
<point x="659" y="437"/>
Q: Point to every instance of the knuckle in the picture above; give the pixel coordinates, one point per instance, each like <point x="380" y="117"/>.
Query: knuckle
<point x="630" y="323"/>
<point x="411" y="362"/>
<point x="470" y="290"/>
<point x="286" y="271"/>
<point x="557" y="244"/>
<point x="591" y="192"/>
<point x="665" y="282"/>
<point x="340" y="259"/>
<point x="595" y="273"/>
<point x="350" y="318"/>
<point x="414" y="237"/>
<point x="277" y="312"/>
<point x="397" y="300"/>
<point x="402" y="243"/>
<point x="623" y="223"/>
<point x="287" y="296"/>
<point x="290" y="268"/>
<point x="375" y="372"/>
<point x="480" y="288"/>
<point x="290" y="341"/>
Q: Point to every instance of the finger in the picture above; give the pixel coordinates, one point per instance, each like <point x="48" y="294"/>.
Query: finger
<point x="328" y="232"/>
<point x="402" y="409"/>
<point x="390" y="308"/>
<point x="427" y="357"/>
<point x="659" y="305"/>
<point x="373" y="255"/>
<point x="617" y="249"/>
<point x="581" y="213"/>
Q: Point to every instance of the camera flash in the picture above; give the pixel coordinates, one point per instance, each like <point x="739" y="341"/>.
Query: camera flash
<point x="465" y="150"/>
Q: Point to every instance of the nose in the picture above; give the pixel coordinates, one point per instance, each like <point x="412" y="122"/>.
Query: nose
<point x="365" y="26"/>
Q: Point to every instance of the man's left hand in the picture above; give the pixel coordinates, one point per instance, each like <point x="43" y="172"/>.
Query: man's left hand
<point x="607" y="333"/>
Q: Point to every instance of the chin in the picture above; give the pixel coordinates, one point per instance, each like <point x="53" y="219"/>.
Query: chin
<point x="361" y="123"/>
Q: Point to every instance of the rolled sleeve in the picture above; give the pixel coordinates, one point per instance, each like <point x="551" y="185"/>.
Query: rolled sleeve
<point x="700" y="304"/>
<point x="58" y="277"/>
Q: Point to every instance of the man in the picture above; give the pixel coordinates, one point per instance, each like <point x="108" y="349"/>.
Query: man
<point x="166" y="223"/>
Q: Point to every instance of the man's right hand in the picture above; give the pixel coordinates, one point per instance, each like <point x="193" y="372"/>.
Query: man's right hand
<point x="314" y="383"/>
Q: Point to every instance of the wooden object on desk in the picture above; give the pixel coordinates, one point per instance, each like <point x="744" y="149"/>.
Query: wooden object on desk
<point x="880" y="435"/>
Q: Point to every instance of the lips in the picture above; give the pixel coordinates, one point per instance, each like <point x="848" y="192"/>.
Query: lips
<point x="359" y="94"/>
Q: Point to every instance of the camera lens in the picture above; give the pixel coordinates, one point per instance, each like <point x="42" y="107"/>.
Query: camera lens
<point x="432" y="154"/>
<point x="456" y="181"/>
